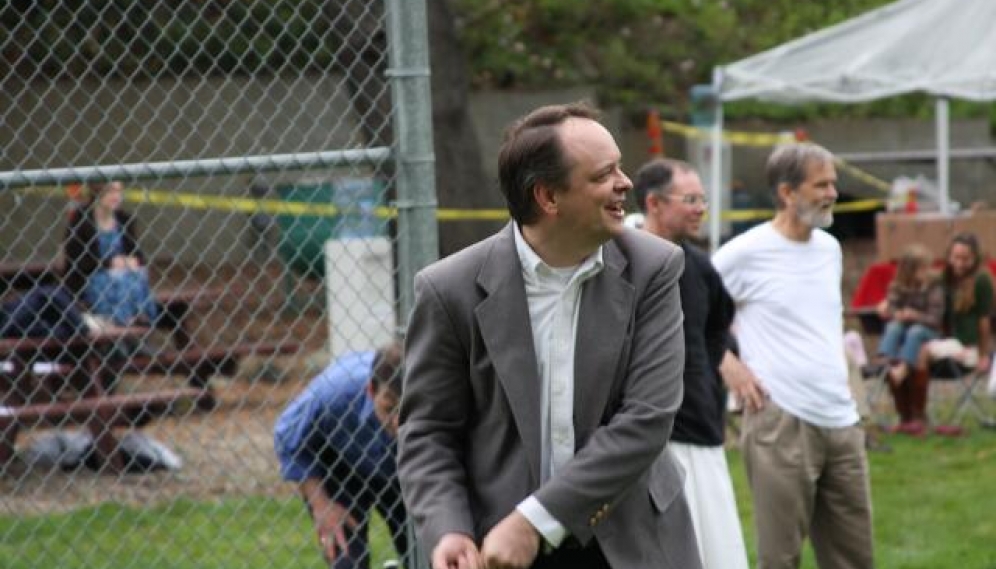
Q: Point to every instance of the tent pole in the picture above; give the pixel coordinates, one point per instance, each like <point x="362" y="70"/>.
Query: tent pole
<point x="943" y="153"/>
<point x="716" y="169"/>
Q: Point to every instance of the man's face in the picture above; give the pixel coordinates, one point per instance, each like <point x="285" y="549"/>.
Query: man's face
<point x="386" y="403"/>
<point x="679" y="213"/>
<point x="591" y="208"/>
<point x="813" y="200"/>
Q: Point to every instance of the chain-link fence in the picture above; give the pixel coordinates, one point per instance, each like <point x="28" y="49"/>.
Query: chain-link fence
<point x="204" y="204"/>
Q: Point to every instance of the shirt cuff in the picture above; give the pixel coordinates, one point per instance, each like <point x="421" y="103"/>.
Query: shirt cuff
<point x="552" y="530"/>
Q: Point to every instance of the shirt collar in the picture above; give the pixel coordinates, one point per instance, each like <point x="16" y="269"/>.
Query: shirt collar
<point x="532" y="263"/>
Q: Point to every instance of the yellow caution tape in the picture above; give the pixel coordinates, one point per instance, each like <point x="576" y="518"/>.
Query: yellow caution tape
<point x="443" y="214"/>
<point x="733" y="137"/>
<point x="167" y="198"/>
<point x="877" y="183"/>
<point x="769" y="139"/>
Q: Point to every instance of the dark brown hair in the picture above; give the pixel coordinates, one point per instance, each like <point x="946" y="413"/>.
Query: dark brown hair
<point x="532" y="153"/>
<point x="963" y="291"/>
<point x="388" y="368"/>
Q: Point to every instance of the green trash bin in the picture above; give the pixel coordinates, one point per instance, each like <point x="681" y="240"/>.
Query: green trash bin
<point x="303" y="236"/>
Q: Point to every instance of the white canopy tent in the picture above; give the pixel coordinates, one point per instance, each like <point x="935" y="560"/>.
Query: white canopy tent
<point x="941" y="47"/>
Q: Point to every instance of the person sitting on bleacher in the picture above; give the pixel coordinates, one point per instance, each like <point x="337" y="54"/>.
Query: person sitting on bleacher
<point x="968" y="297"/>
<point x="104" y="267"/>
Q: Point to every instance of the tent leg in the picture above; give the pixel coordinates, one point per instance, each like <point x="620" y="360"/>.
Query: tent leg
<point x="716" y="176"/>
<point x="943" y="154"/>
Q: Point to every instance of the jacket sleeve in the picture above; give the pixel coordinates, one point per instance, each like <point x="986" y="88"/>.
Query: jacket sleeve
<point x="80" y="261"/>
<point x="130" y="242"/>
<point x="434" y="417"/>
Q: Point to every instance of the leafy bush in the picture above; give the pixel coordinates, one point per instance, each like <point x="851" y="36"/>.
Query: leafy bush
<point x="650" y="52"/>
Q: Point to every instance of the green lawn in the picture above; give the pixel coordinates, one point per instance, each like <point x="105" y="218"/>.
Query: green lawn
<point x="935" y="508"/>
<point x="234" y="533"/>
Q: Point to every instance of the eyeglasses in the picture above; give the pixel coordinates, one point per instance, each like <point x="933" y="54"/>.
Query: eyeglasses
<point x="690" y="199"/>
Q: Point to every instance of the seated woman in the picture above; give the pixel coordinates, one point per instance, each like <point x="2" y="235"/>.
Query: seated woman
<point x="913" y="309"/>
<point x="968" y="297"/>
<point x="105" y="270"/>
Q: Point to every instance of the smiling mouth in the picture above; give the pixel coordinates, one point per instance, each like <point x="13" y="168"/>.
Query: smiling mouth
<point x="617" y="210"/>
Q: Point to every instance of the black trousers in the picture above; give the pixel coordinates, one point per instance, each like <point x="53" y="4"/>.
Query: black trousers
<point x="572" y="555"/>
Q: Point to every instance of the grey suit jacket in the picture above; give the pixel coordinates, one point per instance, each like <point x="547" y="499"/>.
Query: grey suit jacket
<point x="469" y="443"/>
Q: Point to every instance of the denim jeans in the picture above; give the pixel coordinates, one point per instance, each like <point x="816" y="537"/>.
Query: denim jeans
<point x="903" y="341"/>
<point x="121" y="295"/>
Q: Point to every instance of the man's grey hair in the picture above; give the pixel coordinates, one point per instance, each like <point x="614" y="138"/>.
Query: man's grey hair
<point x="788" y="164"/>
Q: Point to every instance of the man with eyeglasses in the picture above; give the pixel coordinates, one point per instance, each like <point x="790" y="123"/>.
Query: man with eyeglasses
<point x="670" y="195"/>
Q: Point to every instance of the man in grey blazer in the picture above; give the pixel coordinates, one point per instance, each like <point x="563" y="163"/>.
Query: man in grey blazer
<point x="544" y="371"/>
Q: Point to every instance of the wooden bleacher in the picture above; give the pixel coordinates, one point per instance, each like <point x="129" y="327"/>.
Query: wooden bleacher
<point x="91" y="365"/>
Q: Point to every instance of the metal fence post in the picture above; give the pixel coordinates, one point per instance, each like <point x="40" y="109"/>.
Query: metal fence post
<point x="418" y="235"/>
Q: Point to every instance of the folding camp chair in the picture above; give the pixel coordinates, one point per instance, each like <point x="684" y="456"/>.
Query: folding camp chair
<point x="957" y="392"/>
<point x="867" y="382"/>
<point x="880" y="408"/>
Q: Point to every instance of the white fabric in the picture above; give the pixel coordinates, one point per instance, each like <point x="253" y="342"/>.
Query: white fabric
<point x="713" y="505"/>
<point x="854" y="347"/>
<point x="952" y="348"/>
<point x="991" y="386"/>
<point x="553" y="531"/>
<point x="554" y="297"/>
<point x="939" y="47"/>
<point x="790" y="320"/>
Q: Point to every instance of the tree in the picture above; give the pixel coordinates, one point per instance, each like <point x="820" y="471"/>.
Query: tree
<point x="460" y="178"/>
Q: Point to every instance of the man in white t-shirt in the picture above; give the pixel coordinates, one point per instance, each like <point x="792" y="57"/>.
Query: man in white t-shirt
<point x="803" y="450"/>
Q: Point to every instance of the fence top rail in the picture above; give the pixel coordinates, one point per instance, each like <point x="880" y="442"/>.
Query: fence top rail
<point x="197" y="167"/>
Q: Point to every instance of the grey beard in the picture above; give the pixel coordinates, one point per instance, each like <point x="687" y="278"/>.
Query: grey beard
<point x="816" y="218"/>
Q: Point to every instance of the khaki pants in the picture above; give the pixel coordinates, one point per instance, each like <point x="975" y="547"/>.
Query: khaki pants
<point x="807" y="481"/>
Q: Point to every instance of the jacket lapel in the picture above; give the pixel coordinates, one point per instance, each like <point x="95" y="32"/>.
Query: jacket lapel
<point x="503" y="318"/>
<point x="603" y="328"/>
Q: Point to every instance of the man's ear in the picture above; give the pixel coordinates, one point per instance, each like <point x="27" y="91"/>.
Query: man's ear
<point x="546" y="198"/>
<point x="651" y="201"/>
<point x="371" y="390"/>
<point x="785" y="192"/>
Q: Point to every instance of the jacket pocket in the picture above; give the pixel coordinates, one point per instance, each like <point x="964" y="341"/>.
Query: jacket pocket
<point x="667" y="478"/>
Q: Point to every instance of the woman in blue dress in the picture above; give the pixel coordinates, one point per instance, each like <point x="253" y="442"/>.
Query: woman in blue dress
<point x="104" y="267"/>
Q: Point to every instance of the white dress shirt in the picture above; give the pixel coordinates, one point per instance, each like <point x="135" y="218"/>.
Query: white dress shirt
<point x="554" y="298"/>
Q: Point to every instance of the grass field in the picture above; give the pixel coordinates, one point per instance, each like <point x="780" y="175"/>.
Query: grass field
<point x="934" y="499"/>
<point x="934" y="503"/>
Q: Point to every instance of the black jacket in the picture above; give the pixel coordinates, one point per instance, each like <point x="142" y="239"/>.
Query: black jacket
<point x="82" y="248"/>
<point x="708" y="311"/>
